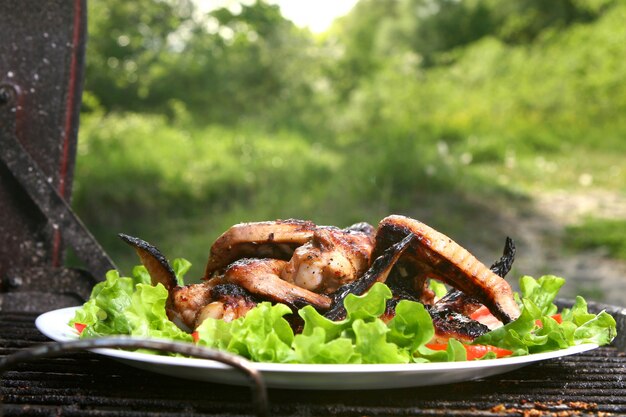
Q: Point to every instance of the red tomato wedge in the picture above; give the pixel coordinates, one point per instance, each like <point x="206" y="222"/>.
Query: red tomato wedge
<point x="557" y="317"/>
<point x="474" y="351"/>
<point x="79" y="327"/>
<point x="480" y="313"/>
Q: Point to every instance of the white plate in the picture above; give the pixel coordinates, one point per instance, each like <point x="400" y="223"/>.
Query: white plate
<point x="302" y="376"/>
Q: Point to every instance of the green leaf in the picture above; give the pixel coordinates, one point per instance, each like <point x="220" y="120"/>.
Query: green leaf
<point x="456" y="351"/>
<point x="214" y="333"/>
<point x="369" y="306"/>
<point x="263" y="334"/>
<point x="411" y="327"/>
<point x="438" y="288"/>
<point x="181" y="267"/>
<point x="536" y="331"/>
<point x="147" y="316"/>
<point x="104" y="312"/>
<point x="141" y="275"/>
<point x="314" y="348"/>
<point x="542" y="292"/>
<point x="313" y="320"/>
<point x="371" y="343"/>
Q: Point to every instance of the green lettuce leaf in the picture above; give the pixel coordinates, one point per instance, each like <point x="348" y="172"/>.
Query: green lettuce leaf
<point x="316" y="348"/>
<point x="104" y="312"/>
<point x="371" y="343"/>
<point x="437" y="287"/>
<point x="181" y="267"/>
<point x="263" y="334"/>
<point x="131" y="306"/>
<point x="537" y="331"/>
<point x="147" y="317"/>
<point x="542" y="291"/>
<point x="369" y="306"/>
<point x="411" y="327"/>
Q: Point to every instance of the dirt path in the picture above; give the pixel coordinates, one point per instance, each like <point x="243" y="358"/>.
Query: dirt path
<point x="539" y="232"/>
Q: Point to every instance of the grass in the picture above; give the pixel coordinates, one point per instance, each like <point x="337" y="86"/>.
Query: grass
<point x="606" y="234"/>
<point x="180" y="187"/>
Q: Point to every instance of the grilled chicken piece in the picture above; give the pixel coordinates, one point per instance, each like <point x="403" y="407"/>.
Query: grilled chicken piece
<point x="379" y="271"/>
<point x="230" y="302"/>
<point x="458" y="302"/>
<point x="503" y="265"/>
<point x="362" y="227"/>
<point x="261" y="277"/>
<point x="157" y="265"/>
<point x="333" y="257"/>
<point x="275" y="239"/>
<point x="449" y="324"/>
<point x="186" y="301"/>
<point x="435" y="255"/>
<point x="461" y="303"/>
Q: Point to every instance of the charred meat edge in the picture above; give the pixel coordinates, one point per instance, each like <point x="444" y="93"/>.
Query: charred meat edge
<point x="157" y="265"/>
<point x="447" y="261"/>
<point x="228" y="303"/>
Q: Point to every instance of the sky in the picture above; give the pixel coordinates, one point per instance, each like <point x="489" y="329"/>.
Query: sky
<point x="317" y="15"/>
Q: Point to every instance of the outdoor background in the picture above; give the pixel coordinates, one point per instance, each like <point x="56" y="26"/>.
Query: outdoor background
<point x="482" y="118"/>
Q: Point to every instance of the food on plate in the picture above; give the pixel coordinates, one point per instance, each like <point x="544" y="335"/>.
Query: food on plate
<point x="295" y="292"/>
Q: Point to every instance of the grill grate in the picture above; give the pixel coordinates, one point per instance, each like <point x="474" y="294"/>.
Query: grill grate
<point x="85" y="384"/>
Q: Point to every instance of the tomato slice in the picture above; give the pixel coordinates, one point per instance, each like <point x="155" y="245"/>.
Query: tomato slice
<point x="474" y="351"/>
<point x="481" y="312"/>
<point x="557" y="317"/>
<point x="195" y="337"/>
<point x="79" y="327"/>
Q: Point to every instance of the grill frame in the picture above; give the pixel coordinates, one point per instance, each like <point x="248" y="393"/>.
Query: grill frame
<point x="86" y="384"/>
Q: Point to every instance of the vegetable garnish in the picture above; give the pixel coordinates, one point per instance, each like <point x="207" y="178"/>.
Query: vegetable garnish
<point x="79" y="327"/>
<point x="131" y="306"/>
<point x="476" y="351"/>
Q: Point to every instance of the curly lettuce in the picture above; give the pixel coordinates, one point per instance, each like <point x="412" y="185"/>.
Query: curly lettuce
<point x="131" y="306"/>
<point x="128" y="306"/>
<point x="537" y="330"/>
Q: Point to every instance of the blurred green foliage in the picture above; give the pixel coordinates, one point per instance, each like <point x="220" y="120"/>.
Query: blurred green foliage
<point x="446" y="110"/>
<point x="606" y="234"/>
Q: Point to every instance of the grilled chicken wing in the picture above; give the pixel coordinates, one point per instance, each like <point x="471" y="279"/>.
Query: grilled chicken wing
<point x="230" y="302"/>
<point x="274" y="239"/>
<point x="379" y="271"/>
<point x="333" y="257"/>
<point x="298" y="263"/>
<point x="157" y="265"/>
<point x="261" y="277"/>
<point x="436" y="255"/>
<point x="187" y="301"/>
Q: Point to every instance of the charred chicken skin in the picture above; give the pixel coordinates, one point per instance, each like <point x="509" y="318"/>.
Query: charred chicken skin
<point x="436" y="255"/>
<point x="298" y="263"/>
